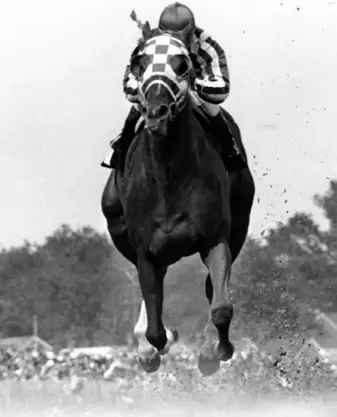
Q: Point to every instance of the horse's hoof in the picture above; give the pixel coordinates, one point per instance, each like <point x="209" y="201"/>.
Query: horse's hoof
<point x="150" y="364"/>
<point x="209" y="358"/>
<point x="208" y="366"/>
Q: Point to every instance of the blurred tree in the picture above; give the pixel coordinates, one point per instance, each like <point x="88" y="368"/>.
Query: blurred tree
<point x="309" y="255"/>
<point x="68" y="282"/>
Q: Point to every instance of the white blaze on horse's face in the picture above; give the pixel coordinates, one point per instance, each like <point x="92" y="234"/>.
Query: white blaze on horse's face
<point x="163" y="60"/>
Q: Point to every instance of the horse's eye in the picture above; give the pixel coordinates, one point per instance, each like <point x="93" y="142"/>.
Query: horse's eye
<point x="180" y="64"/>
<point x="139" y="64"/>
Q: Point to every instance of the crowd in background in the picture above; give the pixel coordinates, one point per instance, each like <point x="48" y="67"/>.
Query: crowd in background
<point x="119" y="365"/>
<point x="32" y="364"/>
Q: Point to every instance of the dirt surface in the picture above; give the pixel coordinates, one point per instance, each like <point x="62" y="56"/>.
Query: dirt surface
<point x="324" y="406"/>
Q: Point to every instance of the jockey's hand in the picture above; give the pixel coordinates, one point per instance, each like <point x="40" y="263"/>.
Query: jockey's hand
<point x="180" y="99"/>
<point x="196" y="73"/>
<point x="192" y="82"/>
<point x="193" y="77"/>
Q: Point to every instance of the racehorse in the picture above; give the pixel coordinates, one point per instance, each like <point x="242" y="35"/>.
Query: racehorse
<point x="173" y="198"/>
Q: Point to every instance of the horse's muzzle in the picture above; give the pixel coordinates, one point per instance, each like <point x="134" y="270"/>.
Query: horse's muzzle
<point x="157" y="118"/>
<point x="153" y="124"/>
<point x="157" y="128"/>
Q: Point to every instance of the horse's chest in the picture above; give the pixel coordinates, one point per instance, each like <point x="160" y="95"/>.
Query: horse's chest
<point x="184" y="213"/>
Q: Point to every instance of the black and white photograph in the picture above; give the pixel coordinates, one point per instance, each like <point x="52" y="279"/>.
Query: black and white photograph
<point x="168" y="222"/>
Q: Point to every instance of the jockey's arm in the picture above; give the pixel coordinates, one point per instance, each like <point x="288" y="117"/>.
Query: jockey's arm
<point x="212" y="83"/>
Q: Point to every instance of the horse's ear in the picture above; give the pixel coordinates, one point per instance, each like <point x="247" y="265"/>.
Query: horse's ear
<point x="146" y="31"/>
<point x="145" y="27"/>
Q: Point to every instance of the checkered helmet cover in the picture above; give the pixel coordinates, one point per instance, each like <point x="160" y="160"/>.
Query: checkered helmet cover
<point x="160" y="52"/>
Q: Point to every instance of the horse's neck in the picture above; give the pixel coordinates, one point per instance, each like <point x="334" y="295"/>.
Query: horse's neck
<point x="181" y="143"/>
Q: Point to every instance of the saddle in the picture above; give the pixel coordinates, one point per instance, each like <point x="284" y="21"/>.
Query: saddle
<point x="225" y="140"/>
<point x="205" y="120"/>
<point x="217" y="138"/>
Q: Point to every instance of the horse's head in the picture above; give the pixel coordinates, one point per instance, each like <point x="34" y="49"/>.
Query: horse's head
<point x="163" y="69"/>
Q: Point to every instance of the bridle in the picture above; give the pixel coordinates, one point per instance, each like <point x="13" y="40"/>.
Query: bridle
<point x="162" y="52"/>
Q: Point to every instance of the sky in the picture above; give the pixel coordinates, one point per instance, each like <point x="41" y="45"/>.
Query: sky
<point x="61" y="101"/>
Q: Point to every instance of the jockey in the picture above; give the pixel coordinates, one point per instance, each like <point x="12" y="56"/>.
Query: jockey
<point x="212" y="85"/>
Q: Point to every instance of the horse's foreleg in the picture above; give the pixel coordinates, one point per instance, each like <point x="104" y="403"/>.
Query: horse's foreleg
<point x="241" y="202"/>
<point x="217" y="346"/>
<point x="113" y="212"/>
<point x="154" y="339"/>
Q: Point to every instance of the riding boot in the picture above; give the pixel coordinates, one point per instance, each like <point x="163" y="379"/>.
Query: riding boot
<point x="233" y="159"/>
<point x="122" y="142"/>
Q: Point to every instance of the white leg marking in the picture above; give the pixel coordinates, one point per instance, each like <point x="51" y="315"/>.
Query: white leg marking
<point x="145" y="348"/>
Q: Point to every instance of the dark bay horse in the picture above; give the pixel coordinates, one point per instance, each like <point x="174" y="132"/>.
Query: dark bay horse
<point x="175" y="198"/>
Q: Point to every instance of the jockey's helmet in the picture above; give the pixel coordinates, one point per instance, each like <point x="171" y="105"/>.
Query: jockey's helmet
<point x="178" y="20"/>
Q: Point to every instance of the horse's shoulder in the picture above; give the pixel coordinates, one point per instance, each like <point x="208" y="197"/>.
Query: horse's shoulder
<point x="136" y="162"/>
<point x="135" y="145"/>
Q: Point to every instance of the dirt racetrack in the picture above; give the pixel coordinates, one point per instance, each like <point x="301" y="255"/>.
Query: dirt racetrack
<point x="40" y="399"/>
<point x="247" y="386"/>
<point x="268" y="409"/>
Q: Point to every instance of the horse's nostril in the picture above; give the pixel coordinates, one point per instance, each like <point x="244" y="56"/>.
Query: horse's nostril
<point x="173" y="109"/>
<point x="162" y="110"/>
